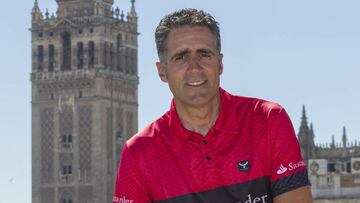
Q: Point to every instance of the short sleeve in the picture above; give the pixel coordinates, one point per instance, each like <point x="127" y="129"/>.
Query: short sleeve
<point x="130" y="186"/>
<point x="287" y="167"/>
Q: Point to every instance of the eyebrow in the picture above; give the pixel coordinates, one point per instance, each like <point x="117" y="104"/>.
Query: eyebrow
<point x="185" y="51"/>
<point x="180" y="53"/>
<point x="204" y="50"/>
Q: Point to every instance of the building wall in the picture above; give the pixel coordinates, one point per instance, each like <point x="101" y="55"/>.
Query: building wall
<point x="333" y="168"/>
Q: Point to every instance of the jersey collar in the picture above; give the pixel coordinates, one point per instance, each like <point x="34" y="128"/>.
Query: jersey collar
<point x="182" y="135"/>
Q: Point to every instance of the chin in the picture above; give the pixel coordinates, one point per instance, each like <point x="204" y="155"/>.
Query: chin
<point x="199" y="100"/>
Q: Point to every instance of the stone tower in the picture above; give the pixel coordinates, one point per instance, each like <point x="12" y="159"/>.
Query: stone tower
<point x="306" y="138"/>
<point x="84" y="98"/>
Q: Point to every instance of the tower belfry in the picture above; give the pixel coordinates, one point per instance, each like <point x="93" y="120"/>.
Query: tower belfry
<point x="74" y="8"/>
<point x="84" y="98"/>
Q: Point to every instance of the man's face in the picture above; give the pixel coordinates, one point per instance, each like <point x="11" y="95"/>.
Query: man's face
<point x="192" y="65"/>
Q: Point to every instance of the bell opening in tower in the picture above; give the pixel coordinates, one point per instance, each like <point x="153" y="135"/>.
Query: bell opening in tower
<point x="66" y="43"/>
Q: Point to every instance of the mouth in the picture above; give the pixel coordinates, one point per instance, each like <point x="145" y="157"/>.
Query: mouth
<point x="196" y="83"/>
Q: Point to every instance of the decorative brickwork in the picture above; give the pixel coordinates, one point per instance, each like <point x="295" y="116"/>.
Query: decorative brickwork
<point x="47" y="195"/>
<point x="66" y="121"/>
<point x="86" y="194"/>
<point x="85" y="134"/>
<point x="47" y="145"/>
<point x="121" y="87"/>
<point x="46" y="88"/>
<point x="109" y="152"/>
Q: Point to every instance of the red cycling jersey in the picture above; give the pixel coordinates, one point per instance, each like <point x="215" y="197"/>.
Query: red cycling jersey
<point x="250" y="154"/>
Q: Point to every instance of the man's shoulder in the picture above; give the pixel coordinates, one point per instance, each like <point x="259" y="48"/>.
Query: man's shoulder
<point x="255" y="105"/>
<point x="150" y="135"/>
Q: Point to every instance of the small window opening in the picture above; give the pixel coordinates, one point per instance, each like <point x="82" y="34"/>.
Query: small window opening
<point x="91" y="54"/>
<point x="51" y="57"/>
<point x="66" y="59"/>
<point x="80" y="55"/>
<point x="40" y="57"/>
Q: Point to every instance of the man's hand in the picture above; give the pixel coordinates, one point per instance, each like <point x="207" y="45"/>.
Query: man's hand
<point x="300" y="195"/>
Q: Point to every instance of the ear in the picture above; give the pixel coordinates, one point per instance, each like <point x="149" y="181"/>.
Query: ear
<point x="161" y="71"/>
<point x="221" y="66"/>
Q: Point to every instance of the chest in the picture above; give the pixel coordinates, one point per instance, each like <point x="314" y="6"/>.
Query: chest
<point x="202" y="165"/>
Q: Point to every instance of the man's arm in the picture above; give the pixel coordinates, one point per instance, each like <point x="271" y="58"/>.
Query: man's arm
<point x="288" y="172"/>
<point x="299" y="195"/>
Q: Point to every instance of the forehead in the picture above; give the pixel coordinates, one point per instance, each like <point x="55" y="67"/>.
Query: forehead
<point x="190" y="36"/>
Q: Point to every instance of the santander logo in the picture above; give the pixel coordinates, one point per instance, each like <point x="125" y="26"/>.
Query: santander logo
<point x="291" y="166"/>
<point x="122" y="200"/>
<point x="281" y="170"/>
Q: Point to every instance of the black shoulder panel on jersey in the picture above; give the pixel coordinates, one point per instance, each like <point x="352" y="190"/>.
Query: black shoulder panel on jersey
<point x="257" y="190"/>
<point x="290" y="183"/>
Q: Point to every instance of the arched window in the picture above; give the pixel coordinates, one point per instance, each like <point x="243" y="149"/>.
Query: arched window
<point x="80" y="55"/>
<point x="111" y="55"/>
<point x="40" y="57"/>
<point x="66" y="48"/>
<point x="66" y="198"/>
<point x="91" y="54"/>
<point x="66" y="171"/>
<point x="69" y="138"/>
<point x="66" y="141"/>
<point x="63" y="139"/>
<point x="51" y="57"/>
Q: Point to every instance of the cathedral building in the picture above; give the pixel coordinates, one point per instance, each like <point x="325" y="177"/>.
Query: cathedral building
<point x="333" y="168"/>
<point x="84" y="98"/>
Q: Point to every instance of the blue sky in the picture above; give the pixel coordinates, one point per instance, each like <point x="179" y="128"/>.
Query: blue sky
<point x="291" y="52"/>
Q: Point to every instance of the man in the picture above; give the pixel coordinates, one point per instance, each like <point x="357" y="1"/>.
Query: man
<point x="211" y="146"/>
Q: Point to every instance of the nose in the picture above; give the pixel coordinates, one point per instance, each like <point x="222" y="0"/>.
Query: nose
<point x="194" y="63"/>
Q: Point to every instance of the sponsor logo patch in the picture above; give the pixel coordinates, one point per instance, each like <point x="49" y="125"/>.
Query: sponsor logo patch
<point x="122" y="200"/>
<point x="260" y="199"/>
<point x="244" y="166"/>
<point x="291" y="166"/>
<point x="281" y="170"/>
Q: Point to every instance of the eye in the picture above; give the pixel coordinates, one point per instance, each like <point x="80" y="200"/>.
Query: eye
<point x="179" y="57"/>
<point x="205" y="54"/>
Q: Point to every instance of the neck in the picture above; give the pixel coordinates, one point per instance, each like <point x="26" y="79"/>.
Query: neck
<point x="199" y="119"/>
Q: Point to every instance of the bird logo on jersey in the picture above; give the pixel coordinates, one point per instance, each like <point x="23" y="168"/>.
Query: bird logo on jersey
<point x="244" y="166"/>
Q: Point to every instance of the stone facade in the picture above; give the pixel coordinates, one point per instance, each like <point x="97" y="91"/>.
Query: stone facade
<point x="84" y="98"/>
<point x="334" y="168"/>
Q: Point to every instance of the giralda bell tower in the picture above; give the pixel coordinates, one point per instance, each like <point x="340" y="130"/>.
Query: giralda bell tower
<point x="84" y="98"/>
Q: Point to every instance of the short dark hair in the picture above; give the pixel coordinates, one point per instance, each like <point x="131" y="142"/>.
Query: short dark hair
<point x="184" y="17"/>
